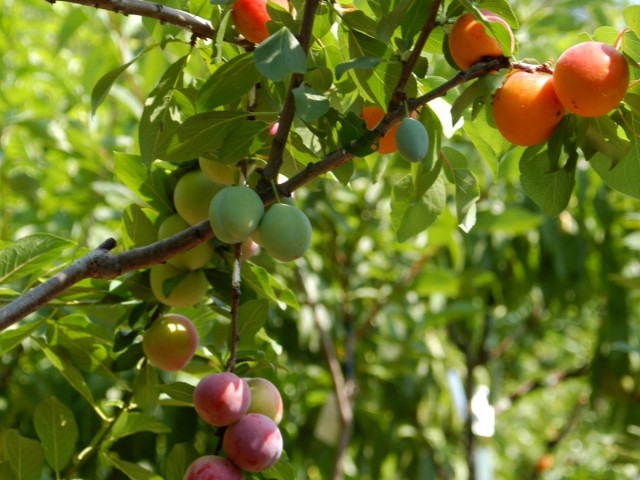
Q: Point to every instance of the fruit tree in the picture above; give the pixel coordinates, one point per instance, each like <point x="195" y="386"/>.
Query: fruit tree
<point x="316" y="239"/>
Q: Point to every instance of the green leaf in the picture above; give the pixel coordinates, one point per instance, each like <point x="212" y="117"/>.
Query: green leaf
<point x="179" y="459"/>
<point x="26" y="456"/>
<point x="145" y="387"/>
<point x="281" y="470"/>
<point x="102" y="88"/>
<point x="247" y="138"/>
<point x="156" y="117"/>
<point x="623" y="176"/>
<point x="130" y="423"/>
<point x="310" y="104"/>
<point x="10" y="339"/>
<point x="131" y="170"/>
<point x="252" y="316"/>
<point x="550" y="188"/>
<point x="132" y="470"/>
<point x="180" y="392"/>
<point x="280" y="55"/>
<point x="467" y="195"/>
<point x="31" y="254"/>
<point x="139" y="229"/>
<point x="367" y="63"/>
<point x="411" y="215"/>
<point x="200" y="134"/>
<point x="513" y="221"/>
<point x="57" y="429"/>
<point x="228" y="83"/>
<point x="631" y="15"/>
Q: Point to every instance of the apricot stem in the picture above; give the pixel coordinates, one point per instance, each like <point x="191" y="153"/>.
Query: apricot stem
<point x="618" y="43"/>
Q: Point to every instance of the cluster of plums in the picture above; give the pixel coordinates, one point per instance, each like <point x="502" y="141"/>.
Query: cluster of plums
<point x="249" y="409"/>
<point x="589" y="79"/>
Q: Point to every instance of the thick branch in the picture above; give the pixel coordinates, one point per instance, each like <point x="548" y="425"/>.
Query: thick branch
<point x="198" y="25"/>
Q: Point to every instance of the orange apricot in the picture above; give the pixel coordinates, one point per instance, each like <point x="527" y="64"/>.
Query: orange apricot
<point x="526" y="109"/>
<point x="372" y="115"/>
<point x="591" y="78"/>
<point x="469" y="42"/>
<point x="251" y="16"/>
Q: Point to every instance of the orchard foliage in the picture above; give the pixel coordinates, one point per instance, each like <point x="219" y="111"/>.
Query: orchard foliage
<point x="406" y="302"/>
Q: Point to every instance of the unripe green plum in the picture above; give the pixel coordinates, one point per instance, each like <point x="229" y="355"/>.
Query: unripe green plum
<point x="221" y="398"/>
<point x="188" y="290"/>
<point x="265" y="399"/>
<point x="254" y="443"/>
<point x="194" y="258"/>
<point x="235" y="212"/>
<point x="212" y="467"/>
<point x="412" y="139"/>
<point x="192" y="196"/>
<point x="285" y="232"/>
<point x="170" y="342"/>
<point x="218" y="172"/>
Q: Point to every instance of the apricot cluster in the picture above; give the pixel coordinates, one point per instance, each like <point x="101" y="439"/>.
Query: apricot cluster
<point x="249" y="410"/>
<point x="589" y="79"/>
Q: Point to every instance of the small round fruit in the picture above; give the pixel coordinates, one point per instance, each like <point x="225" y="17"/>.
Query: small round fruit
<point x="273" y="129"/>
<point x="372" y="115"/>
<point x="185" y="291"/>
<point x="526" y="109"/>
<point x="194" y="258"/>
<point x="234" y="213"/>
<point x="591" y="78"/>
<point x="251" y="16"/>
<point x="192" y="196"/>
<point x="469" y="42"/>
<point x="412" y="139"/>
<point x="285" y="232"/>
<point x="221" y="398"/>
<point x="212" y="467"/>
<point x="170" y="342"/>
<point x="254" y="443"/>
<point x="218" y="172"/>
<point x="265" y="399"/>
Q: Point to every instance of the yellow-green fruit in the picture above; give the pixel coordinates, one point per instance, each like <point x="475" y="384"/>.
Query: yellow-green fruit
<point x="177" y="288"/>
<point x="285" y="232"/>
<point x="412" y="139"/>
<point x="170" y="342"/>
<point x="218" y="172"/>
<point x="235" y="213"/>
<point x="193" y="259"/>
<point x="192" y="196"/>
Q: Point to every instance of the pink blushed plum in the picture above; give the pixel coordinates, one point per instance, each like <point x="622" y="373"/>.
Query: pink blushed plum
<point x="254" y="443"/>
<point x="273" y="129"/>
<point x="221" y="398"/>
<point x="212" y="467"/>
<point x="265" y="399"/>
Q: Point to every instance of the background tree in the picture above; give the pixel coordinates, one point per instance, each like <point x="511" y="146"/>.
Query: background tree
<point x="504" y="274"/>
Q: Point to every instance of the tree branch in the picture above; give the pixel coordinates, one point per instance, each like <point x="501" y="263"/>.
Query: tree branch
<point x="197" y="25"/>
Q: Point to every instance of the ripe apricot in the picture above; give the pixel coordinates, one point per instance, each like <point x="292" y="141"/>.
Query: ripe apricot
<point x="469" y="42"/>
<point x="526" y="109"/>
<point x="250" y="18"/>
<point x="372" y="115"/>
<point x="591" y="78"/>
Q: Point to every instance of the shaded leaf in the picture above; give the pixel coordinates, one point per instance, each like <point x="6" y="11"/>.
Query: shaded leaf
<point x="30" y="254"/>
<point x="549" y="188"/>
<point x="252" y="316"/>
<point x="132" y="470"/>
<point x="228" y="83"/>
<point x="181" y="392"/>
<point x="10" y="339"/>
<point x="57" y="429"/>
<point x="26" y="456"/>
<point x="130" y="423"/>
<point x="467" y="196"/>
<point x="280" y="55"/>
<point x="178" y="460"/>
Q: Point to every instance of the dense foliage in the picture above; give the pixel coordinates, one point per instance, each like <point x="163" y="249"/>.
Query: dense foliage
<point x="505" y="273"/>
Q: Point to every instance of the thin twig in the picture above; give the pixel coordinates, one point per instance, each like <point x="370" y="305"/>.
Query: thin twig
<point x="235" y="305"/>
<point x="198" y="25"/>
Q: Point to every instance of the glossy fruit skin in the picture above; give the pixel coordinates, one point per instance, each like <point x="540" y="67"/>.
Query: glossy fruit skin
<point x="285" y="232"/>
<point x="192" y="195"/>
<point x="412" y="139"/>
<point x="526" y="109"/>
<point x="372" y="115"/>
<point x="221" y="398"/>
<point x="212" y="467"/>
<point x="217" y="172"/>
<point x="194" y="258"/>
<point x="591" y="78"/>
<point x="469" y="42"/>
<point x="250" y="18"/>
<point x="265" y="399"/>
<point x="254" y="443"/>
<point x="186" y="293"/>
<point x="170" y="342"/>
<point x="235" y="212"/>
